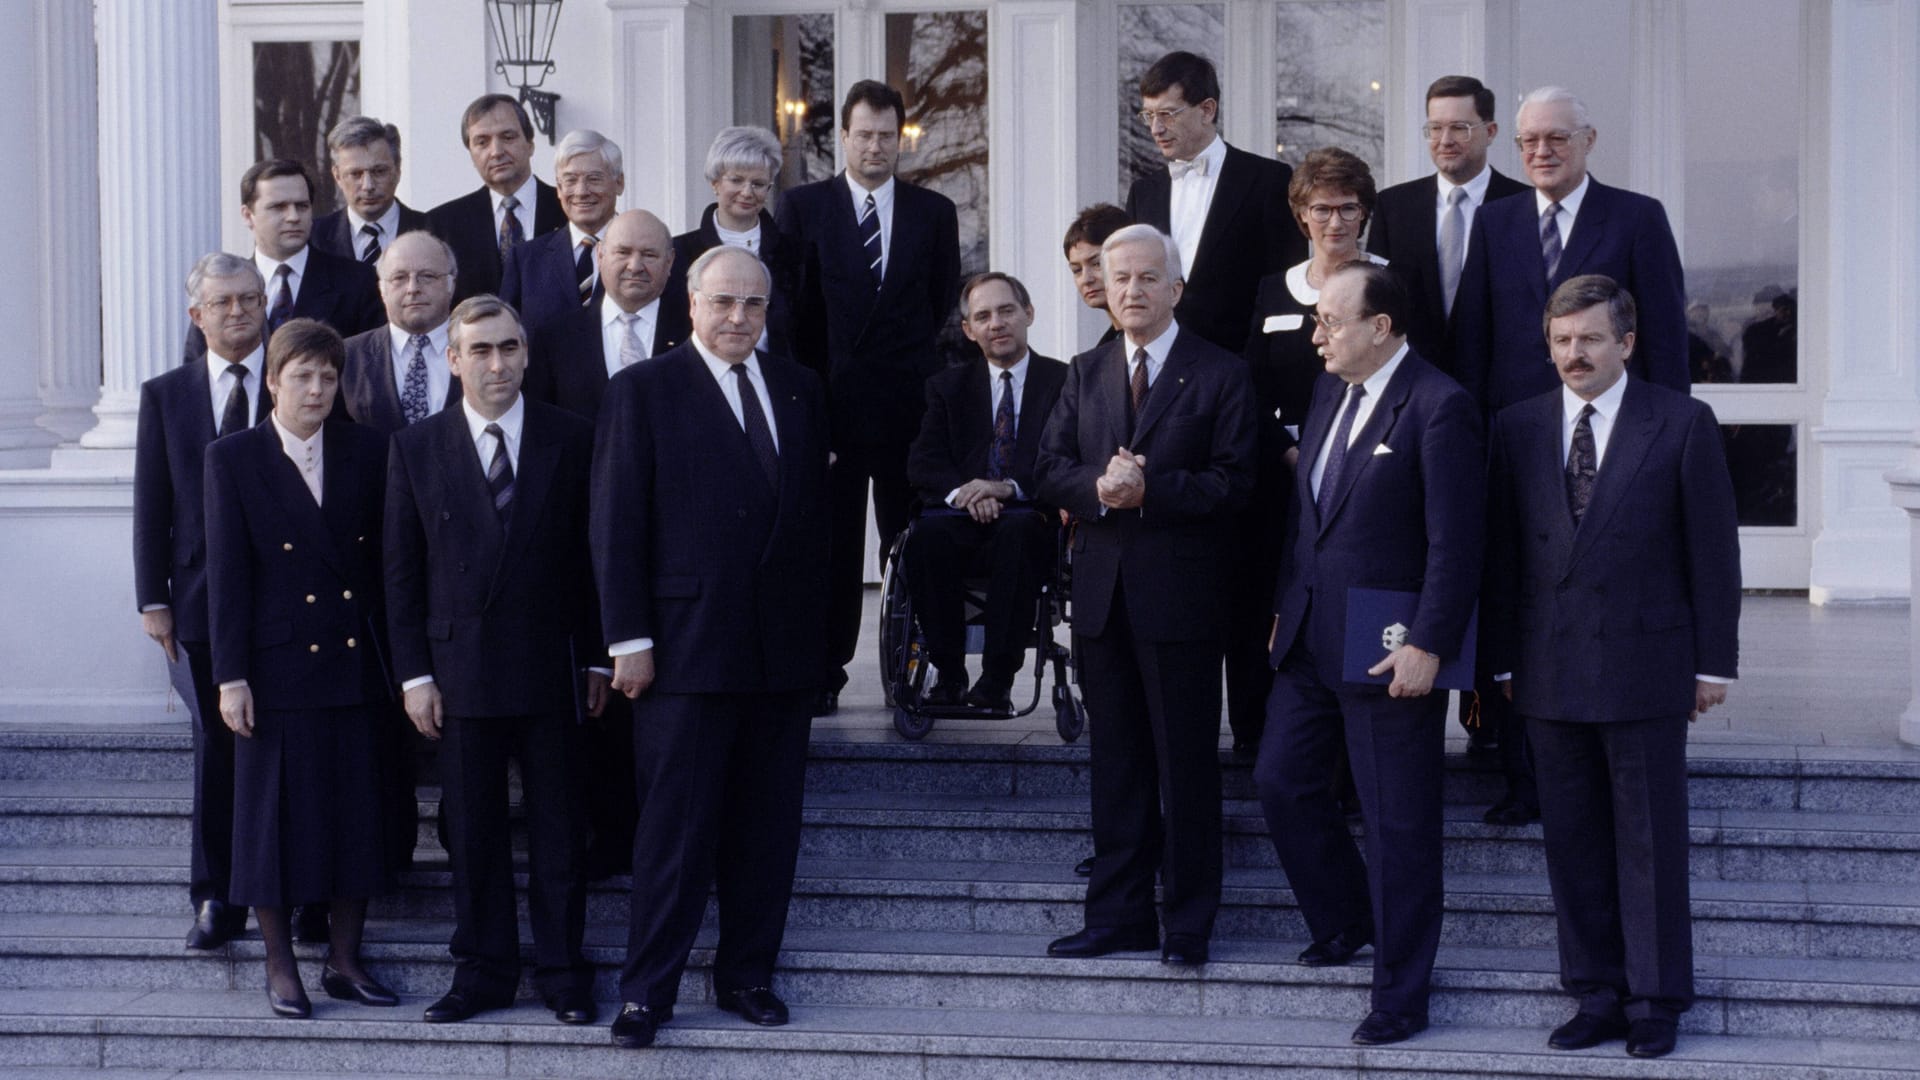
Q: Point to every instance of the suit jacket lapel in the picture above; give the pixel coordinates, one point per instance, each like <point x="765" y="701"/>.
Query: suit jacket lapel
<point x="1235" y="182"/>
<point x="1587" y="230"/>
<point x="340" y="488"/>
<point x="284" y="484"/>
<point x="789" y="424"/>
<point x="1373" y="433"/>
<point x="464" y="476"/>
<point x="316" y="292"/>
<point x="532" y="479"/>
<point x="1156" y="204"/>
<point x="1033" y="420"/>
<point x="1425" y="238"/>
<point x="1544" y="470"/>
<point x="1633" y="431"/>
<point x="1326" y="398"/>
<point x="1173" y="379"/>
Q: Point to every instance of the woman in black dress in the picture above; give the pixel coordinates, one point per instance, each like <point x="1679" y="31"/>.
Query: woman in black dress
<point x="742" y="165"/>
<point x="294" y="588"/>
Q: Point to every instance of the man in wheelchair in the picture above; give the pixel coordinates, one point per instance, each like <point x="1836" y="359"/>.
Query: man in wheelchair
<point x="972" y="467"/>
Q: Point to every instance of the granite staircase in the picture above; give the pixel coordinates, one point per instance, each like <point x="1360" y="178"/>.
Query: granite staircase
<point x="932" y="875"/>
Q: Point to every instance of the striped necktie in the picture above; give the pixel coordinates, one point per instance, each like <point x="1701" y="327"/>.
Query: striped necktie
<point x="870" y="239"/>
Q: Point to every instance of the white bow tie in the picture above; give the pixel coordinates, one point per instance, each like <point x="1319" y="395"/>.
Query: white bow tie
<point x="1198" y="166"/>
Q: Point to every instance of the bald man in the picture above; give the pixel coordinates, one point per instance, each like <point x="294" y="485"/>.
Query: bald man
<point x="639" y="317"/>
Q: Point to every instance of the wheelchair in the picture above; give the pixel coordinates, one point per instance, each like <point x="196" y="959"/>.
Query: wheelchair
<point x="905" y="663"/>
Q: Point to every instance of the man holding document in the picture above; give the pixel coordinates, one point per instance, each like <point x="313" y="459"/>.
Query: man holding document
<point x="1386" y="534"/>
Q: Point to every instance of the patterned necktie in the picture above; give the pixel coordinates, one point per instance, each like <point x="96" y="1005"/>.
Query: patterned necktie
<point x="282" y="308"/>
<point x="631" y="351"/>
<point x="754" y="419"/>
<point x="1137" y="384"/>
<point x="1550" y="238"/>
<point x="510" y="233"/>
<point x="234" y="416"/>
<point x="1453" y="246"/>
<point x="500" y="474"/>
<point x="1000" y="457"/>
<point x="414" y="406"/>
<point x="371" y="253"/>
<point x="870" y="238"/>
<point x="1337" y="451"/>
<point x="583" y="270"/>
<point x="1583" y="462"/>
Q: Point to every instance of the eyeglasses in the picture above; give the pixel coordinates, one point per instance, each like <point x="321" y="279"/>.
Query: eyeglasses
<point x="873" y="138"/>
<point x="1164" y="116"/>
<point x="1330" y="325"/>
<point x="243" y="302"/>
<point x="1323" y="213"/>
<point x="758" y="187"/>
<point x="725" y="303"/>
<point x="1555" y="141"/>
<point x="426" y="279"/>
<point x="1458" y="129"/>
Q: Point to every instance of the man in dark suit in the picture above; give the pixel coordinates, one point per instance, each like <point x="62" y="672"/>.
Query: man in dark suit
<point x="975" y="455"/>
<point x="182" y="411"/>
<point x="551" y="275"/>
<point x="365" y="161"/>
<point x="1227" y="209"/>
<point x="1422" y="227"/>
<point x="491" y="605"/>
<point x="511" y="206"/>
<point x="1150" y="448"/>
<point x="879" y="269"/>
<point x="1391" y="496"/>
<point x="276" y="202"/>
<point x="710" y="540"/>
<point x="1613" y="574"/>
<point x="397" y="374"/>
<point x="1521" y="250"/>
<point x="638" y="316"/>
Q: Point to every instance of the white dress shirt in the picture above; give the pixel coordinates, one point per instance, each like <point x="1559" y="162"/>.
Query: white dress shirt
<point x="1188" y="200"/>
<point x="439" y="376"/>
<point x="1375" y="384"/>
<point x="882" y="205"/>
<point x="579" y="237"/>
<point x="1569" y="209"/>
<point x="1476" y="189"/>
<point x="613" y="332"/>
<point x="296" y="273"/>
<point x="996" y="388"/>
<point x="750" y="239"/>
<point x="388" y="224"/>
<point x="220" y="384"/>
<point x="1157" y="351"/>
<point x="527" y="193"/>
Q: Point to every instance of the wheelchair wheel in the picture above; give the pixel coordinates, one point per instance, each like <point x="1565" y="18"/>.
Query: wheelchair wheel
<point x="912" y="726"/>
<point x="897" y="654"/>
<point x="1069" y="715"/>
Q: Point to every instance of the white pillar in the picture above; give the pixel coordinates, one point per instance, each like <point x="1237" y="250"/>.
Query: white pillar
<point x="1428" y="39"/>
<point x="673" y="90"/>
<point x="23" y="443"/>
<point x="159" y="189"/>
<point x="70" y="236"/>
<point x="1872" y="241"/>
<point x="1906" y="496"/>
<point x="421" y="62"/>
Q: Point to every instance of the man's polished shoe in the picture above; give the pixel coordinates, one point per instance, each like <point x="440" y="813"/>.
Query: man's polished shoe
<point x="1184" y="950"/>
<point x="1384" y="1028"/>
<point x="1101" y="940"/>
<point x="1084" y="868"/>
<point x="1482" y="746"/>
<point x="575" y="1007"/>
<point x="1511" y="812"/>
<point x="1588" y="1029"/>
<point x="366" y="993"/>
<point x="636" y="1025"/>
<point x="994" y="691"/>
<point x="757" y="1004"/>
<point x="1651" y="1038"/>
<point x="310" y="924"/>
<point x="214" y="925"/>
<point x="826" y="703"/>
<point x="456" y="1006"/>
<point x="948" y="690"/>
<point x="1336" y="950"/>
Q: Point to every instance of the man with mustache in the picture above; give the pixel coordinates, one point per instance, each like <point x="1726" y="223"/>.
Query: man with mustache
<point x="511" y="206"/>
<point x="554" y="274"/>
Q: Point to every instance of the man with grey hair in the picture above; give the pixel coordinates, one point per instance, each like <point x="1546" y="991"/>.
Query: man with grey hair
<point x="365" y="158"/>
<point x="1150" y="448"/>
<point x="557" y="273"/>
<point x="181" y="411"/>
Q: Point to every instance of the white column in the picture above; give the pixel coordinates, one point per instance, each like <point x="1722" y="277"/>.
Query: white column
<point x="1429" y="39"/>
<point x="23" y="443"/>
<point x="672" y="90"/>
<point x="70" y="234"/>
<point x="421" y="62"/>
<point x="1906" y="496"/>
<point x="1872" y="242"/>
<point x="159" y="189"/>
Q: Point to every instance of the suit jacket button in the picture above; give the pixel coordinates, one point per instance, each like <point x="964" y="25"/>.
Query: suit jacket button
<point x="347" y="594"/>
<point x="742" y="512"/>
<point x="350" y="643"/>
<point x="313" y="648"/>
<point x="445" y="516"/>
<point x="286" y="547"/>
<point x="460" y="567"/>
<point x="310" y="598"/>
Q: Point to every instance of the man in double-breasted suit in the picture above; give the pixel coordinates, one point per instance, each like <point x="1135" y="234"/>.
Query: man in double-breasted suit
<point x="181" y="411"/>
<point x="709" y="540"/>
<point x="491" y="603"/>
<point x="1613" y="595"/>
<point x="879" y="270"/>
<point x="364" y="156"/>
<point x="1391" y="493"/>
<point x="1151" y="450"/>
<point x="510" y="207"/>
<point x="555" y="274"/>
<point x="1226" y="208"/>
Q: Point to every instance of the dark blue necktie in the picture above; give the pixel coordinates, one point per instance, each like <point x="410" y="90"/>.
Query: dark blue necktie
<point x="1337" y="453"/>
<point x="1000" y="457"/>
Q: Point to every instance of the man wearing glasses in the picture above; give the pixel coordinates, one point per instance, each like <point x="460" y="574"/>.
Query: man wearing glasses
<point x="1225" y="208"/>
<point x="397" y="374"/>
<point x="1522" y="249"/>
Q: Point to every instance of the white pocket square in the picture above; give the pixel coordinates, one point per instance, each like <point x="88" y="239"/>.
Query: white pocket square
<point x="1383" y="448"/>
<point x="1278" y="323"/>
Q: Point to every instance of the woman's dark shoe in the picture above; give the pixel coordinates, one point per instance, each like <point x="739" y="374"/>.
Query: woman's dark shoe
<point x="366" y="992"/>
<point x="296" y="1007"/>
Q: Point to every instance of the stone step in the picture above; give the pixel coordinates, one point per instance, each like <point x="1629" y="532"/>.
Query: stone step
<point x="1508" y="987"/>
<point x="1818" y="919"/>
<point x="213" y="1035"/>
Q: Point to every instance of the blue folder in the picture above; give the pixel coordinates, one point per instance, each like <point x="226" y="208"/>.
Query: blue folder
<point x="1370" y="612"/>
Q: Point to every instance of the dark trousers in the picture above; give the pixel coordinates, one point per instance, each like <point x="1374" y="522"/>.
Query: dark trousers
<point x="474" y="752"/>
<point x="212" y="836"/>
<point x="1396" y="747"/>
<point x="1153" y="716"/>
<point x="1250" y="610"/>
<point x="612" y="807"/>
<point x="1013" y="552"/>
<point x="720" y="777"/>
<point x="886" y="468"/>
<point x="1613" y="807"/>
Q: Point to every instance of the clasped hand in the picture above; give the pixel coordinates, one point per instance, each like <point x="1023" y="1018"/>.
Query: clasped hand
<point x="1124" y="485"/>
<point x="983" y="499"/>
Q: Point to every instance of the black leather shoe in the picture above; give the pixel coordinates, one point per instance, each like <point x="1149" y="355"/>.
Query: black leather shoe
<point x="1101" y="940"/>
<point x="1511" y="812"/>
<point x="1184" y="950"/>
<point x="1383" y="1028"/>
<point x="826" y="704"/>
<point x="949" y="690"/>
<point x="1482" y="747"/>
<point x="455" y="1007"/>
<point x="1651" y="1038"/>
<point x="366" y="993"/>
<point x="757" y="1004"/>
<point x="993" y="691"/>
<point x="310" y="924"/>
<point x="1337" y="950"/>
<point x="636" y="1025"/>
<point x="1588" y="1029"/>
<point x="575" y="1007"/>
<point x="1084" y="868"/>
<point x="296" y="1007"/>
<point x="214" y="925"/>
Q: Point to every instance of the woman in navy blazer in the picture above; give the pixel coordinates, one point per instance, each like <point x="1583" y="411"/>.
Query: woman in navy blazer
<point x="294" y="586"/>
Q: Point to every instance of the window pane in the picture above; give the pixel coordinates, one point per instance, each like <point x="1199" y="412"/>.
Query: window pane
<point x="1330" y="65"/>
<point x="1148" y="32"/>
<point x="1742" y="190"/>
<point x="938" y="62"/>
<point x="783" y="81"/>
<point x="300" y="90"/>
<point x="1762" y="460"/>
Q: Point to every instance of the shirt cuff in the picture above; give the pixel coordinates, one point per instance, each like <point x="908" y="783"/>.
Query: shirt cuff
<point x="420" y="680"/>
<point x="1505" y="676"/>
<point x="144" y="608"/>
<point x="608" y="672"/>
<point x="952" y="495"/>
<point x="1017" y="493"/>
<point x="235" y="684"/>
<point x="630" y="646"/>
<point x="1720" y="680"/>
